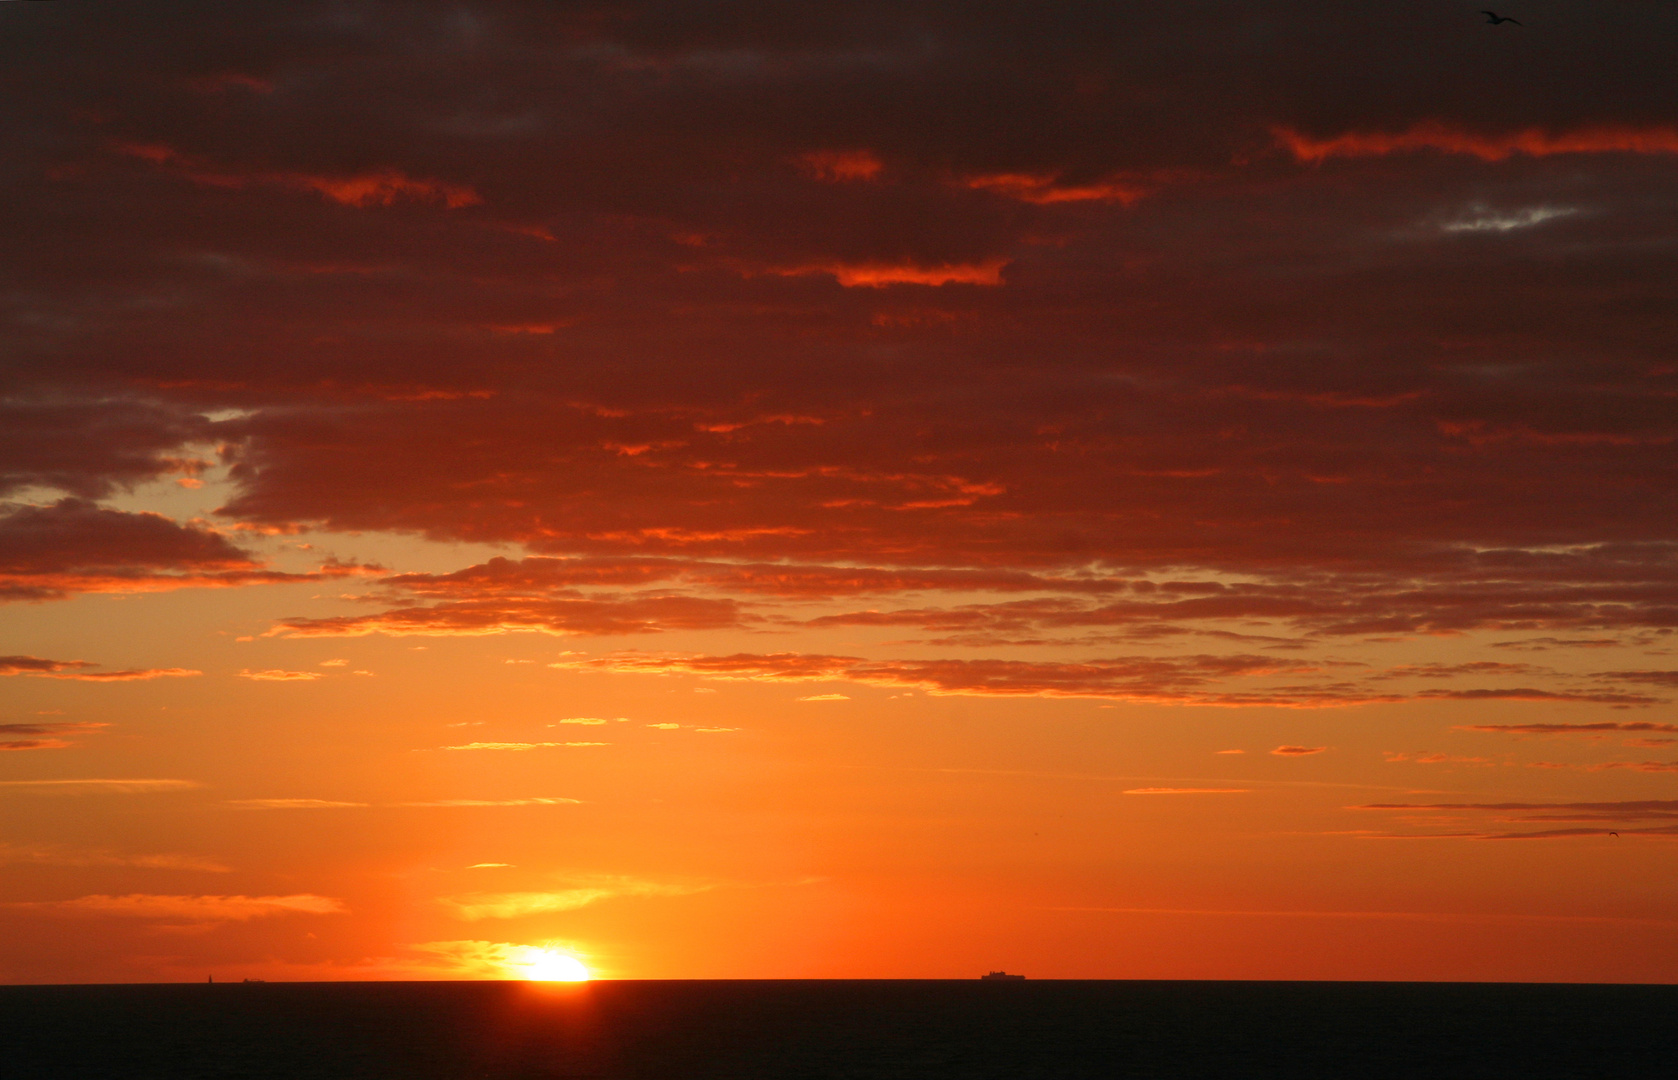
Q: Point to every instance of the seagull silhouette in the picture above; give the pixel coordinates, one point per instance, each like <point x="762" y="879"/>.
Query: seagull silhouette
<point x="1493" y="18"/>
<point x="1613" y="834"/>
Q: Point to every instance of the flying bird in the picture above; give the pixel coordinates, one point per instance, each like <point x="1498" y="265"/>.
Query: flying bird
<point x="1615" y="834"/>
<point x="1493" y="18"/>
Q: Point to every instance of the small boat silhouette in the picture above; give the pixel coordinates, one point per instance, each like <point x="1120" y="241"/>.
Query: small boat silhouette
<point x="1001" y="976"/>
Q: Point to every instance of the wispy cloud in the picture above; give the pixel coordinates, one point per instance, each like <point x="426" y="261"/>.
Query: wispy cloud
<point x="51" y="855"/>
<point x="190" y="909"/>
<point x="331" y="804"/>
<point x="513" y="905"/>
<point x="294" y="804"/>
<point x="1485" y="219"/>
<point x="1600" y="727"/>
<point x="98" y="787"/>
<point x="47" y="736"/>
<point x="1420" y="916"/>
<point x="1444" y="138"/>
<point x="280" y="675"/>
<point x="1559" y="821"/>
<point x="1192" y="679"/>
<point x="1188" y="791"/>
<point x="533" y="801"/>
<point x="517" y="745"/>
<point x="77" y="670"/>
<point x="382" y="187"/>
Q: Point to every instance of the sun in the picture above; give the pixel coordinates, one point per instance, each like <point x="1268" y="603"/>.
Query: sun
<point x="550" y="965"/>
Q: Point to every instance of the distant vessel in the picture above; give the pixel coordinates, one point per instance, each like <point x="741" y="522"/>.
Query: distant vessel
<point x="265" y="980"/>
<point x="1002" y="976"/>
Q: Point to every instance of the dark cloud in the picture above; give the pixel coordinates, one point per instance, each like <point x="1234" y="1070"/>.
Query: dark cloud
<point x="1658" y="678"/>
<point x="1336" y="321"/>
<point x="73" y="545"/>
<point x="1601" y="818"/>
<point x="78" y="670"/>
<point x="1597" y="728"/>
<point x="55" y="735"/>
<point x="91" y="448"/>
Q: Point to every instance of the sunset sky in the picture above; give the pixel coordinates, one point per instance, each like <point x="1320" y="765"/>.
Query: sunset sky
<point x="849" y="489"/>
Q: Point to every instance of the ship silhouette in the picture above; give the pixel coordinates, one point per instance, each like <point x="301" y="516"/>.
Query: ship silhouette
<point x="1001" y="976"/>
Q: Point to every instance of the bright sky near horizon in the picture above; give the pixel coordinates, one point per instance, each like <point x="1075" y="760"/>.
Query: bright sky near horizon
<point x="852" y="489"/>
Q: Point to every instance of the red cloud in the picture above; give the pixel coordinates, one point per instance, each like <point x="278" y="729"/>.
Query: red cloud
<point x="542" y="575"/>
<point x="378" y="187"/>
<point x="876" y="275"/>
<point x="1281" y="408"/>
<point x="840" y="165"/>
<point x="1532" y="142"/>
<point x="1047" y="189"/>
<point x="634" y="615"/>
<point x="1177" y="680"/>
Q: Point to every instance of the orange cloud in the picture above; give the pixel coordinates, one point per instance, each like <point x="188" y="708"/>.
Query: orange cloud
<point x="1433" y="135"/>
<point x="519" y="904"/>
<point x="1425" y="757"/>
<point x="1298" y="751"/>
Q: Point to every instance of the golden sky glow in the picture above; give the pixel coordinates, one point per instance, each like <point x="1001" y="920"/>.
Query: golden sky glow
<point x="561" y="491"/>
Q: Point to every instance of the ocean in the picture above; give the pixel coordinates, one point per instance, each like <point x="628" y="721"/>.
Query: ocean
<point x="838" y="1030"/>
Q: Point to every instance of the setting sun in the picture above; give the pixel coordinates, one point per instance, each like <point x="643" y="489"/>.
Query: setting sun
<point x="550" y="965"/>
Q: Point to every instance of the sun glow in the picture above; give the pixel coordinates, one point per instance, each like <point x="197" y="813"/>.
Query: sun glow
<point x="551" y="965"/>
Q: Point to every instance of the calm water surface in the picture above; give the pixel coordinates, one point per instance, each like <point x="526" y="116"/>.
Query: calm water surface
<point x="875" y="1030"/>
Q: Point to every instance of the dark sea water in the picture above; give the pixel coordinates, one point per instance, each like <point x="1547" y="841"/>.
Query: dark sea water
<point x="875" y="1030"/>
